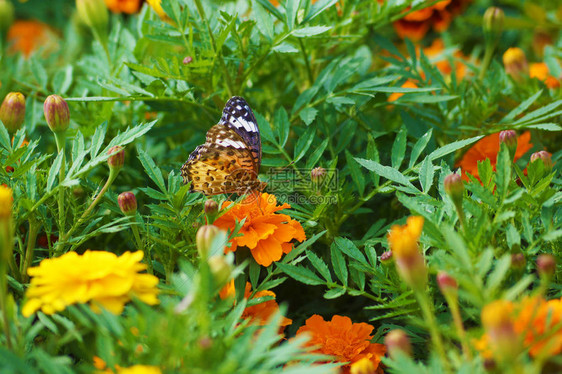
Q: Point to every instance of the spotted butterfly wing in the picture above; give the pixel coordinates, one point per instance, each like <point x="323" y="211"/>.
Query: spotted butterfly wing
<point x="229" y="160"/>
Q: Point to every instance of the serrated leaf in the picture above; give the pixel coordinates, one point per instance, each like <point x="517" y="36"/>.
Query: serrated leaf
<point x="346" y="246"/>
<point x="385" y="172"/>
<point x="419" y="147"/>
<point x="152" y="170"/>
<point x="54" y="171"/>
<point x="339" y="264"/>
<point x="304" y="32"/>
<point x="334" y="293"/>
<point x="317" y="8"/>
<point x="97" y="139"/>
<point x="520" y="108"/>
<point x="300" y="274"/>
<point x="426" y="174"/>
<point x="399" y="148"/>
<point x="452" y="147"/>
<point x="282" y="125"/>
<point x="303" y="143"/>
<point x="320" y="266"/>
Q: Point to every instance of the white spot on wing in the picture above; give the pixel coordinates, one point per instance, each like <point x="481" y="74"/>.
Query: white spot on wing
<point x="231" y="143"/>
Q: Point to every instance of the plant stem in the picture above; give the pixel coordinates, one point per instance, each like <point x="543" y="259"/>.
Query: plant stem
<point x="429" y="317"/>
<point x="112" y="175"/>
<point x="31" y="238"/>
<point x="3" y="304"/>
<point x="489" y="52"/>
<point x="307" y="63"/>
<point x="457" y="319"/>
<point x="60" y="138"/>
<point x="140" y="245"/>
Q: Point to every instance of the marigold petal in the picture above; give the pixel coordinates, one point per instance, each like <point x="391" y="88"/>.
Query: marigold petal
<point x="267" y="251"/>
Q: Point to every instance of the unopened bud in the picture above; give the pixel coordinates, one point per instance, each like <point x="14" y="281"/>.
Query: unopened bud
<point x="56" y="113"/>
<point x="93" y="13"/>
<point x="386" y="258"/>
<point x="454" y="187"/>
<point x="545" y="157"/>
<point x="12" y="111"/>
<point x="515" y="63"/>
<point x="116" y="158"/>
<point x="493" y="21"/>
<point x="446" y="283"/>
<point x="204" y="239"/>
<point x="6" y="15"/>
<point x="205" y="342"/>
<point x="518" y="261"/>
<point x="317" y="175"/>
<point x="127" y="203"/>
<point x="187" y="60"/>
<point x="211" y="210"/>
<point x="546" y="265"/>
<point x="220" y="268"/>
<point x="397" y="341"/>
<point x="509" y="138"/>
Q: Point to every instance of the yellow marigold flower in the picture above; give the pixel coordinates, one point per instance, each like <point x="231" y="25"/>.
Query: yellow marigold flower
<point x="96" y="277"/>
<point x="5" y="202"/>
<point x="497" y="314"/>
<point x="404" y="239"/>
<point x="497" y="319"/>
<point x="156" y="5"/>
<point x="515" y="62"/>
<point x="363" y="366"/>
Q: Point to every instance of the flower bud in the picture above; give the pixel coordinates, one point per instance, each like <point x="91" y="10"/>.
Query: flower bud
<point x="127" y="203"/>
<point x="187" y="60"/>
<point x="204" y="239"/>
<point x="397" y="341"/>
<point x="518" y="261"/>
<point x="363" y="366"/>
<point x="386" y="258"/>
<point x="56" y="113"/>
<point x="446" y="283"/>
<point x="93" y="13"/>
<point x="211" y="210"/>
<point x="493" y="21"/>
<point x="317" y="175"/>
<point x="498" y="323"/>
<point x="454" y="187"/>
<point x="546" y="265"/>
<point x="12" y="111"/>
<point x="545" y="157"/>
<point x="6" y="15"/>
<point x="220" y="268"/>
<point x="410" y="262"/>
<point x="509" y="137"/>
<point x="117" y="158"/>
<point x="515" y="63"/>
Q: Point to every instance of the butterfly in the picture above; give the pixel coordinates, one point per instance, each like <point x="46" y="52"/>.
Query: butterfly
<point x="230" y="159"/>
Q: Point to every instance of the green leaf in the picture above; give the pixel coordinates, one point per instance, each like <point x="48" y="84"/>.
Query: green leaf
<point x="313" y="158"/>
<point x="452" y="147"/>
<point x="539" y="112"/>
<point x="520" y="108"/>
<point x="419" y="147"/>
<point x="310" y="31"/>
<point x="302" y="247"/>
<point x="54" y="171"/>
<point x="338" y="264"/>
<point x="347" y="247"/>
<point x="300" y="274"/>
<point x="5" y="141"/>
<point x="291" y="10"/>
<point x="356" y="174"/>
<point x="265" y="128"/>
<point x="282" y="125"/>
<point x="308" y="115"/>
<point x="385" y="172"/>
<point x="317" y="8"/>
<point x="543" y="126"/>
<point x="552" y="236"/>
<point x="320" y="266"/>
<point x="426" y="174"/>
<point x="399" y="148"/>
<point x="151" y="169"/>
<point x="500" y="271"/>
<point x="503" y="171"/>
<point x="97" y="139"/>
<point x="427" y="99"/>
<point x="303" y="143"/>
<point x="334" y="293"/>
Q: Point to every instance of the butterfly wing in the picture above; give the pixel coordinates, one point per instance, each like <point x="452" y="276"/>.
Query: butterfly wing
<point x="238" y="116"/>
<point x="224" y="164"/>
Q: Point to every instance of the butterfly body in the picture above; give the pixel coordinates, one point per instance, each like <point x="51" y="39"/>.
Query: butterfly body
<point x="230" y="158"/>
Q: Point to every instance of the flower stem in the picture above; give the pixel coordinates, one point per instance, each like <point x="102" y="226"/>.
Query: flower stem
<point x="140" y="245"/>
<point x="457" y="319"/>
<point x="112" y="175"/>
<point x="488" y="53"/>
<point x="31" y="238"/>
<point x="60" y="138"/>
<point x="429" y="317"/>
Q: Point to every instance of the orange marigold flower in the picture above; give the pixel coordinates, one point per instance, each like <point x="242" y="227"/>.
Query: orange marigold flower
<point x="28" y="36"/>
<point x="266" y="233"/>
<point x="488" y="148"/>
<point x="259" y="313"/>
<point x="404" y="239"/>
<point x="124" y="6"/>
<point x="346" y="341"/>
<point x="435" y="50"/>
<point x="438" y="16"/>
<point x="540" y="71"/>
